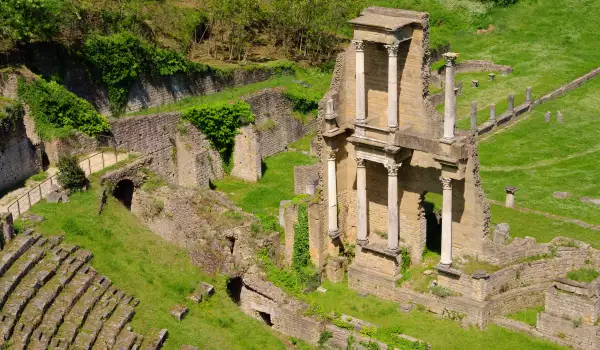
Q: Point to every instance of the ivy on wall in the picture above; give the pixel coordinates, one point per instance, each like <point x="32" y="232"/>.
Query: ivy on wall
<point x="220" y="123"/>
<point x="57" y="111"/>
<point x="121" y="58"/>
<point x="10" y="111"/>
<point x="300" y="252"/>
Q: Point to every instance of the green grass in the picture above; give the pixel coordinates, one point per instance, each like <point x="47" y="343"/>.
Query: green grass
<point x="440" y="333"/>
<point x="319" y="84"/>
<point x="547" y="42"/>
<point x="474" y="265"/>
<point x="542" y="158"/>
<point x="41" y="176"/>
<point x="158" y="273"/>
<point x="583" y="275"/>
<point x="527" y="316"/>
<point x="277" y="184"/>
<point x="303" y="144"/>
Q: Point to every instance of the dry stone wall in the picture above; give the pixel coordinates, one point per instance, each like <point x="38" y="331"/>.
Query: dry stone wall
<point x="19" y="158"/>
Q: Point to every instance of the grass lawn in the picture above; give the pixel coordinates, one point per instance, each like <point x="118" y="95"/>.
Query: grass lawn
<point x="440" y="333"/>
<point x="527" y="316"/>
<point x="583" y="275"/>
<point x="277" y="184"/>
<point x="319" y="84"/>
<point x="158" y="273"/>
<point x="542" y="158"/>
<point x="547" y="42"/>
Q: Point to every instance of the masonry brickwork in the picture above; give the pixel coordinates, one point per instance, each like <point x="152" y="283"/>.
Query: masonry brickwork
<point x="19" y="158"/>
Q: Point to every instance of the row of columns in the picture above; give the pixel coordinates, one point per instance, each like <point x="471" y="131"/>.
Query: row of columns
<point x="392" y="121"/>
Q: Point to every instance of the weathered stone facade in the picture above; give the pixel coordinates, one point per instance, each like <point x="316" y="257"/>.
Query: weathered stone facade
<point x="19" y="158"/>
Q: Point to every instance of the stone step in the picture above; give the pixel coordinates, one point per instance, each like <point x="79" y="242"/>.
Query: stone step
<point x="126" y="339"/>
<point x="37" y="307"/>
<point x="76" y="317"/>
<point x="61" y="306"/>
<point x="29" y="286"/>
<point x="15" y="249"/>
<point x="114" y="325"/>
<point x="96" y="319"/>
<point x="13" y="276"/>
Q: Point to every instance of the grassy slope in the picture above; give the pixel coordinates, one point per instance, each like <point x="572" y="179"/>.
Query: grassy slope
<point x="440" y="333"/>
<point x="528" y="316"/>
<point x="547" y="42"/>
<point x="276" y="185"/>
<point x="158" y="273"/>
<point x="541" y="158"/>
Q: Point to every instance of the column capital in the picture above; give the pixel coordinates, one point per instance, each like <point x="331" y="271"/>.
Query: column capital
<point x="393" y="169"/>
<point x="360" y="162"/>
<point x="392" y="49"/>
<point x="446" y="183"/>
<point x="359" y="45"/>
<point x="451" y="58"/>
<point x="510" y="189"/>
<point x="331" y="153"/>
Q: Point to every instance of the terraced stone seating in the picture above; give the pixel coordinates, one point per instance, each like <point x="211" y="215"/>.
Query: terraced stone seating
<point x="50" y="298"/>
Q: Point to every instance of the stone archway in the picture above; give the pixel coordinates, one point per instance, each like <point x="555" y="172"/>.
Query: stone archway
<point x="124" y="192"/>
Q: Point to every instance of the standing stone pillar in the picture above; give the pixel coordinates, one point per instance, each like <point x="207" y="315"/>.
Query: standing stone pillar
<point x="450" y="101"/>
<point x="333" y="229"/>
<point x="511" y="103"/>
<point x="493" y="113"/>
<point x="360" y="84"/>
<point x="392" y="86"/>
<point x="446" y="258"/>
<point x="361" y="192"/>
<point x="559" y="117"/>
<point x="474" y="115"/>
<point x="510" y="196"/>
<point x="528" y="97"/>
<point x="393" y="228"/>
<point x="547" y="116"/>
<point x="7" y="229"/>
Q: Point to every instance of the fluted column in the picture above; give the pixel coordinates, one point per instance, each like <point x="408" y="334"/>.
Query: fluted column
<point x="450" y="102"/>
<point x="360" y="84"/>
<point x="446" y="222"/>
<point x="361" y="192"/>
<point x="332" y="195"/>
<point x="392" y="86"/>
<point x="393" y="229"/>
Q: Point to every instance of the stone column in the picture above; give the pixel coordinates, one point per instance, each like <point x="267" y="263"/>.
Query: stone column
<point x="392" y="86"/>
<point x="450" y="102"/>
<point x="393" y="228"/>
<point x="333" y="229"/>
<point x="446" y="258"/>
<point x="361" y="192"/>
<point x="360" y="84"/>
<point x="474" y="115"/>
<point x="7" y="229"/>
<point x="493" y="113"/>
<point x="528" y="97"/>
<point x="510" y="196"/>
<point x="511" y="103"/>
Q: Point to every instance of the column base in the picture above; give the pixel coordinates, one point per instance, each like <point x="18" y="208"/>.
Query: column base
<point x="393" y="251"/>
<point x="333" y="234"/>
<point x="362" y="242"/>
<point x="448" y="140"/>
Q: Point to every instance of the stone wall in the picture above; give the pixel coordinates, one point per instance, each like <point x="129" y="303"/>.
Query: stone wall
<point x="74" y="144"/>
<point x="247" y="161"/>
<point x="19" y="158"/>
<point x="478" y="66"/>
<point x="306" y="179"/>
<point x="275" y="122"/>
<point x="198" y="162"/>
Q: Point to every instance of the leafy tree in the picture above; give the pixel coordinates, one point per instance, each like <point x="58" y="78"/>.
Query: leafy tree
<point x="33" y="19"/>
<point x="70" y="174"/>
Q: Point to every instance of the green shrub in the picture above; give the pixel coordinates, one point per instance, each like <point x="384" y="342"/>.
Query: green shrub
<point x="10" y="111"/>
<point x="440" y="291"/>
<point x="57" y="111"/>
<point x="304" y="100"/>
<point x="585" y="275"/>
<point x="324" y="337"/>
<point x="404" y="260"/>
<point x="220" y="123"/>
<point x="301" y="253"/>
<point x="70" y="174"/>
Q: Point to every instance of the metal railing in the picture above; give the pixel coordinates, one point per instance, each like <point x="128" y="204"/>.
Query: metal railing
<point x="91" y="164"/>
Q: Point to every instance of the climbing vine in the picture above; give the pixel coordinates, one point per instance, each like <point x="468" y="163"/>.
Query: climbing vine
<point x="300" y="253"/>
<point x="220" y="123"/>
<point x="404" y="260"/>
<point x="57" y="111"/>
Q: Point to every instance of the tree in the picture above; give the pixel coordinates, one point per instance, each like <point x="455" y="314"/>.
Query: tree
<point x="33" y="19"/>
<point x="70" y="174"/>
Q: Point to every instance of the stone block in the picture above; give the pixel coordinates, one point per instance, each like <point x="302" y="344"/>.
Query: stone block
<point x="189" y="347"/>
<point x="202" y="293"/>
<point x="559" y="117"/>
<point x="179" y="312"/>
<point x="159" y="340"/>
<point x="314" y="145"/>
<point x="561" y="195"/>
<point x="595" y="201"/>
<point x="475" y="83"/>
<point x="501" y="233"/>
<point x="336" y="269"/>
<point x="54" y="197"/>
<point x="282" y="206"/>
<point x="7" y="227"/>
<point x="547" y="117"/>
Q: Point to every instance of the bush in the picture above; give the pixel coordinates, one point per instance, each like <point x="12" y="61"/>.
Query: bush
<point x="301" y="253"/>
<point x="220" y="123"/>
<point x="70" y="174"/>
<point x="57" y="111"/>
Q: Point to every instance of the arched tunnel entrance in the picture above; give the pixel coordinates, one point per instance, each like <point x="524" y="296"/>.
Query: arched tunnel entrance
<point x="124" y="192"/>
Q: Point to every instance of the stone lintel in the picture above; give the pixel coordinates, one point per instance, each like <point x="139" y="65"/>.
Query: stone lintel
<point x="334" y="133"/>
<point x="448" y="271"/>
<point x="381" y="250"/>
<point x="480" y="275"/>
<point x="406" y="139"/>
<point x="579" y="288"/>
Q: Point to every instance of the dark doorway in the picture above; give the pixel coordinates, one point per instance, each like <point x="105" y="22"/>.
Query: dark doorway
<point x="45" y="161"/>
<point x="266" y="318"/>
<point x="234" y="289"/>
<point x="434" y="228"/>
<point x="124" y="192"/>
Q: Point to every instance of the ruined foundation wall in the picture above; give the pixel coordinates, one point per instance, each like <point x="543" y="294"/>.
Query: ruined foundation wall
<point x="247" y="161"/>
<point x="18" y="157"/>
<point x="197" y="161"/>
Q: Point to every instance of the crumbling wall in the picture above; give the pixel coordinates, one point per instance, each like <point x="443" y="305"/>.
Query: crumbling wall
<point x="18" y="156"/>
<point x="247" y="161"/>
<point x="198" y="162"/>
<point x="306" y="179"/>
